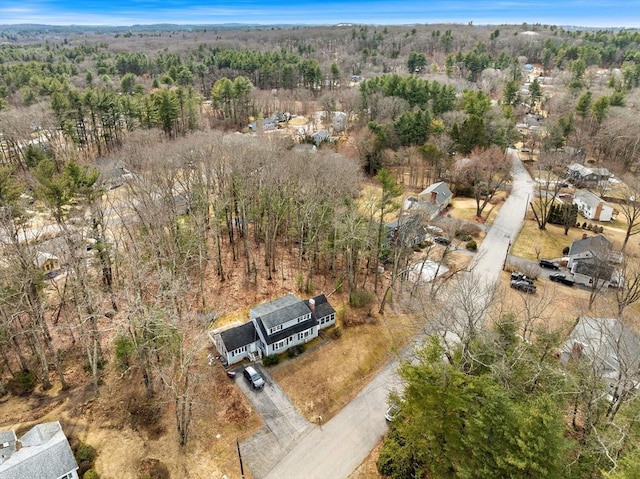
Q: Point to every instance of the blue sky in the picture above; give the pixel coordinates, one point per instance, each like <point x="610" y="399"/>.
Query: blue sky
<point x="595" y="13"/>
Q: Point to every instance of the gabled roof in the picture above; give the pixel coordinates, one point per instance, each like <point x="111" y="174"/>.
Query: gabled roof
<point x="280" y="310"/>
<point x="42" y="258"/>
<point x="285" y="333"/>
<point x="320" y="136"/>
<point x="406" y="228"/>
<point x="443" y="193"/>
<point x="600" y="270"/>
<point x="613" y="347"/>
<point x="589" y="198"/>
<point x="586" y="171"/>
<point x="239" y="336"/>
<point x="45" y="454"/>
<point x="593" y="244"/>
<point x="323" y="308"/>
<point x="424" y="207"/>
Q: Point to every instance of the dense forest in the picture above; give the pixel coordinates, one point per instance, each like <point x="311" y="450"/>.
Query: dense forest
<point x="160" y="165"/>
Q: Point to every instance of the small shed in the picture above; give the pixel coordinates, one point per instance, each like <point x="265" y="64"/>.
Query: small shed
<point x="48" y="263"/>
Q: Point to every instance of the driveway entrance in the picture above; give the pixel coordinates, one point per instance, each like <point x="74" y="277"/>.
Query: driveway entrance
<point x="283" y="425"/>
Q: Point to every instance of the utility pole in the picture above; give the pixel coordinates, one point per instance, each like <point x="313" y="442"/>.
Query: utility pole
<point x="504" y="265"/>
<point x="240" y="458"/>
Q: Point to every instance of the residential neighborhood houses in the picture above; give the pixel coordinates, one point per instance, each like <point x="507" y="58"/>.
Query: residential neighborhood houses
<point x="43" y="452"/>
<point x="273" y="328"/>
<point x="48" y="263"/>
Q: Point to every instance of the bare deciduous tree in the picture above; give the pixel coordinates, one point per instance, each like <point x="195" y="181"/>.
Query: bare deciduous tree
<point x="487" y="173"/>
<point x="551" y="168"/>
<point x="630" y="208"/>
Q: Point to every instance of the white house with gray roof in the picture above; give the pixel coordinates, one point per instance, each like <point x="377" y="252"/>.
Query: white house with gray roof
<point x="43" y="452"/>
<point x="612" y="349"/>
<point x="592" y="207"/>
<point x="274" y="327"/>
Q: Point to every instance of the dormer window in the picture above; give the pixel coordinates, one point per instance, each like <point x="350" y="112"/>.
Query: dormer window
<point x="275" y="329"/>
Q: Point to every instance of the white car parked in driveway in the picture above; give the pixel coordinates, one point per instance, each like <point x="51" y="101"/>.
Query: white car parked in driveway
<point x="254" y="377"/>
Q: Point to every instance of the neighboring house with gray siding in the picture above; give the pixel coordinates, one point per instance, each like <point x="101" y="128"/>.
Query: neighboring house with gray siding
<point x="592" y="258"/>
<point x="43" y="452"/>
<point x="584" y="176"/>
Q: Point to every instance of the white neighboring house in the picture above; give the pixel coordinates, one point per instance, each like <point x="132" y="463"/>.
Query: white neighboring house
<point x="274" y="327"/>
<point x="432" y="201"/>
<point x="593" y="207"/>
<point x="43" y="452"/>
<point x="611" y="348"/>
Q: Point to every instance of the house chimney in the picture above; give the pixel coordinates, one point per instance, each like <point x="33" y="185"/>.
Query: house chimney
<point x="312" y="305"/>
<point x="434" y="195"/>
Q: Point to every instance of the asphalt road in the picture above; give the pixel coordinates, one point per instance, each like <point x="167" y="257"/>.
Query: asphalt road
<point x="504" y="230"/>
<point x="337" y="448"/>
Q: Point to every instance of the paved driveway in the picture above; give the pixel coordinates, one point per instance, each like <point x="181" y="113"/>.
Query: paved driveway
<point x="283" y="424"/>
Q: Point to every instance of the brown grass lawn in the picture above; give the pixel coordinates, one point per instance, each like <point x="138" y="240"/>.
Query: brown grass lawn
<point x="533" y="243"/>
<point x="324" y="379"/>
<point x="465" y="209"/>
<point x="552" y="240"/>
<point x="368" y="469"/>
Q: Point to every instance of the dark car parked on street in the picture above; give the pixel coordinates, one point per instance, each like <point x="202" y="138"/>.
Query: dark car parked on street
<point x="547" y="263"/>
<point x="561" y="278"/>
<point x="523" y="286"/>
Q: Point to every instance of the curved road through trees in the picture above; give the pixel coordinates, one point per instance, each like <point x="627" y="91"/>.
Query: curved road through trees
<point x="335" y="450"/>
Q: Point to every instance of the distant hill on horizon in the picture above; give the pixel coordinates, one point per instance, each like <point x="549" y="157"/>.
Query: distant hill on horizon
<point x="163" y="27"/>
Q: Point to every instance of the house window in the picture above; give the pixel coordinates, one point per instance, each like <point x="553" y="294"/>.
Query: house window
<point x="275" y="329"/>
<point x="239" y="350"/>
<point x="279" y="345"/>
<point x="304" y="334"/>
